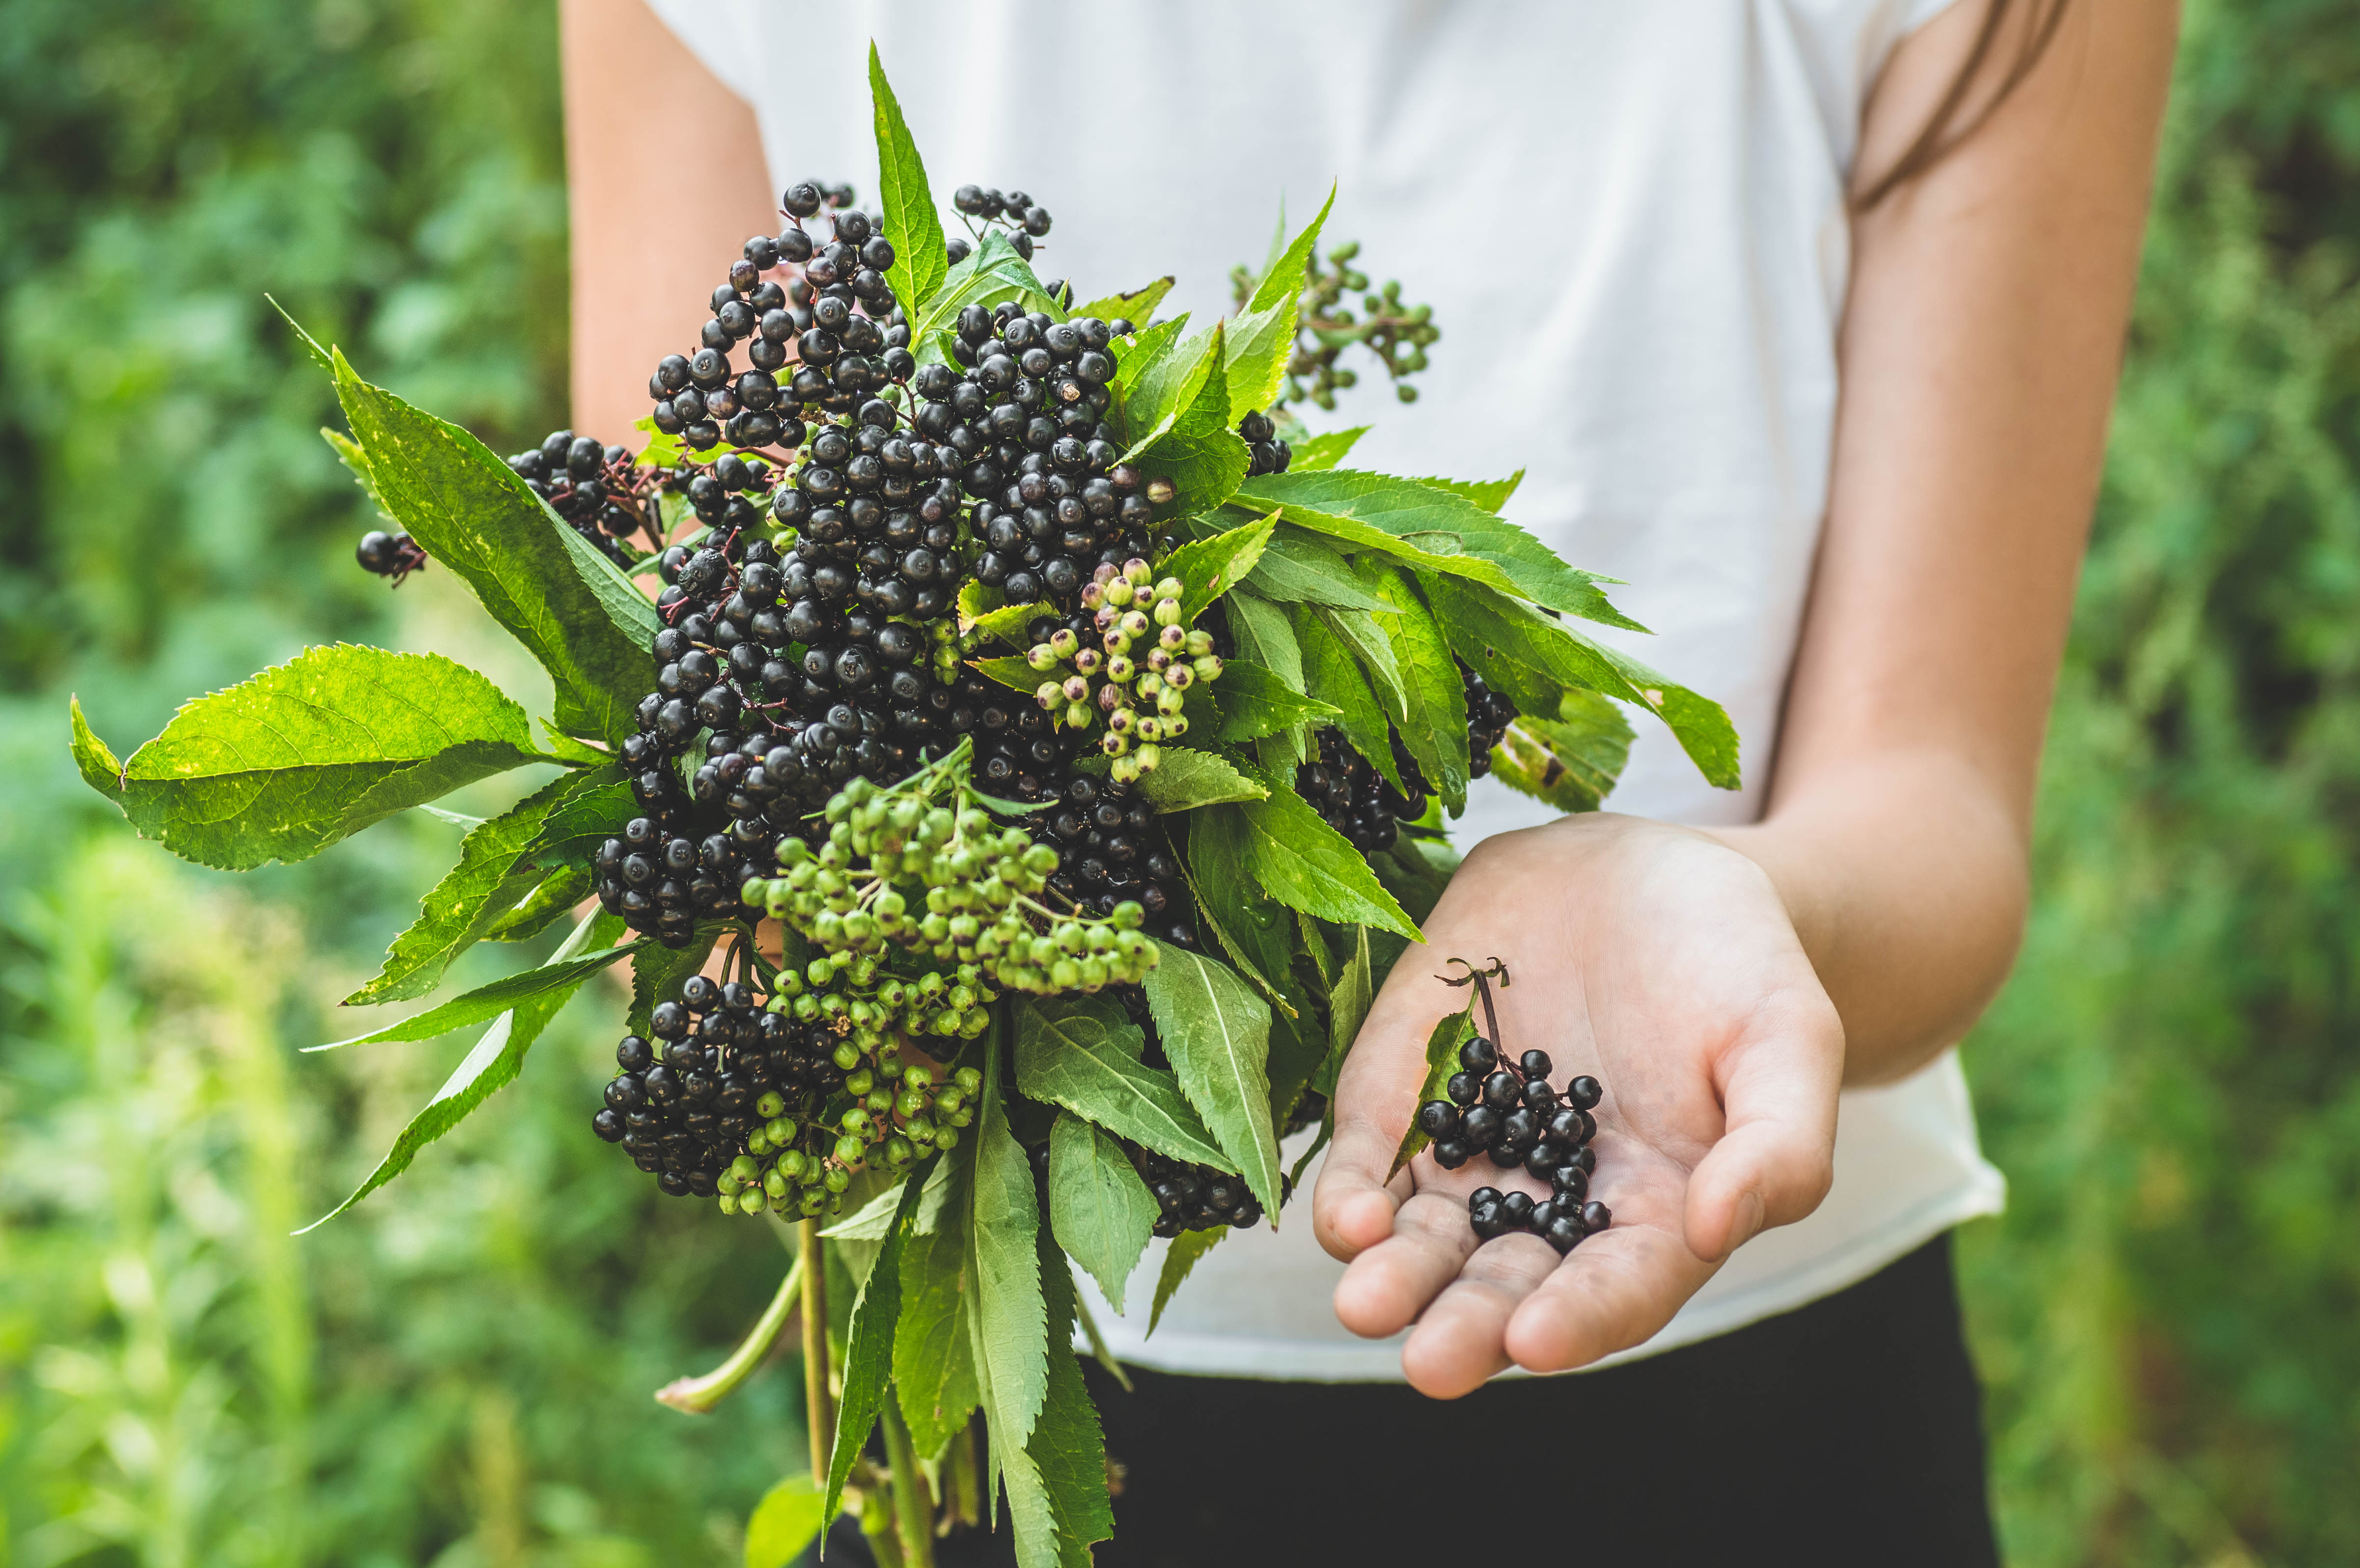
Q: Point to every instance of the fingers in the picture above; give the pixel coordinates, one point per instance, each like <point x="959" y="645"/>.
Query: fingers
<point x="1613" y="1291"/>
<point x="1376" y="1094"/>
<point x="1390" y="1283"/>
<point x="1775" y="1160"/>
<point x="1462" y="1339"/>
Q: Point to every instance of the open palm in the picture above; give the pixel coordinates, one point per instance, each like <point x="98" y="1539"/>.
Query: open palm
<point x="1659" y="960"/>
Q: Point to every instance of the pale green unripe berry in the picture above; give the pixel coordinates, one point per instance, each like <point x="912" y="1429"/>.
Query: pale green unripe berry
<point x="1168" y="616"/>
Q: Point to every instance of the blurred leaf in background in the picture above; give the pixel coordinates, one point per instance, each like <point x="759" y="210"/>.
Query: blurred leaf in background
<point x="460" y="1373"/>
<point x="2164" y="1316"/>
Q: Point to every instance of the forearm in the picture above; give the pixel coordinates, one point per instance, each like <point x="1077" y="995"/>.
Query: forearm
<point x="1905" y="875"/>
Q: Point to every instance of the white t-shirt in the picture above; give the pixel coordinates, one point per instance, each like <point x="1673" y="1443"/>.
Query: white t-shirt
<point x="1630" y="221"/>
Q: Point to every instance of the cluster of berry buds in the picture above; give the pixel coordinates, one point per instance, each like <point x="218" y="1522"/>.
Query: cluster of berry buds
<point x="1136" y="680"/>
<point x="1507" y="1111"/>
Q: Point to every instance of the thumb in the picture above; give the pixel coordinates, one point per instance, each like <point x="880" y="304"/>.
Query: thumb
<point x="1776" y="1156"/>
<point x="1376" y="1094"/>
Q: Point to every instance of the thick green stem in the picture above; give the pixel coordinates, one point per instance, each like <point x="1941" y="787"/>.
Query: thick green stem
<point x="697" y="1396"/>
<point x="967" y="1500"/>
<point x="819" y="1409"/>
<point x="877" y="1524"/>
<point x="913" y="1501"/>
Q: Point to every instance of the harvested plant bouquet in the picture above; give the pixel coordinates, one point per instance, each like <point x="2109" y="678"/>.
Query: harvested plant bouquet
<point x="1086" y="741"/>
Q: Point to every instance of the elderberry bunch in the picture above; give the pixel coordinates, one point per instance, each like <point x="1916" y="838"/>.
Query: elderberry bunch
<point x="1025" y="219"/>
<point x="1113" y="850"/>
<point x="1489" y="714"/>
<point x="597" y="489"/>
<point x="1266" y="454"/>
<point x="1363" y="804"/>
<point x="1141" y="699"/>
<point x="1192" y="1197"/>
<point x="1027" y="420"/>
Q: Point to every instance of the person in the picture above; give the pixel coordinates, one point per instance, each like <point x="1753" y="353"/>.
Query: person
<point x="1803" y="319"/>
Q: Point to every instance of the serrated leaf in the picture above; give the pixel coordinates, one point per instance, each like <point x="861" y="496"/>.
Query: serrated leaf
<point x="1489" y="494"/>
<point x="620" y="597"/>
<point x="475" y="517"/>
<point x="1202" y="457"/>
<point x="1441" y="1060"/>
<point x="1008" y="1324"/>
<point x="1433" y="720"/>
<point x="1100" y="1210"/>
<point x="549" y="901"/>
<point x="1208" y="568"/>
<point x="1348" y="1001"/>
<point x="1252" y="928"/>
<point x="1256" y="701"/>
<point x="874" y="1218"/>
<point x="1187" y="778"/>
<point x="1011" y="672"/>
<point x="1359" y="631"/>
<point x="1434" y="531"/>
<point x="868" y="1346"/>
<point x="914" y="225"/>
<point x="1007" y="622"/>
<point x="1215" y="1030"/>
<point x="348" y="452"/>
<point x="97" y="766"/>
<point x="1162" y="375"/>
<point x="1136" y="307"/>
<point x="1261" y="336"/>
<point x="1570" y="762"/>
<point x="662" y="449"/>
<point x="1067" y="1450"/>
<point x="1485" y="628"/>
<point x="492" y="875"/>
<point x="933" y="1360"/>
<point x="1143" y="351"/>
<point x="1302" y="567"/>
<point x="497" y="1057"/>
<point x="993" y="274"/>
<point x="578" y="824"/>
<point x="560" y="974"/>
<point x="1316" y="455"/>
<point x="1179" y="1261"/>
<point x="1329" y="667"/>
<point x="783" y="1524"/>
<point x="1082" y="1053"/>
<point x="311" y="751"/>
<point x="1298" y="858"/>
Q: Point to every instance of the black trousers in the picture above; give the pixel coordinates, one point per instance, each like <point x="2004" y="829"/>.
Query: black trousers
<point x="1846" y="1432"/>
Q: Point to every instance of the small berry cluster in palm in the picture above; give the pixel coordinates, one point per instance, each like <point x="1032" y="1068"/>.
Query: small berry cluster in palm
<point x="1507" y="1111"/>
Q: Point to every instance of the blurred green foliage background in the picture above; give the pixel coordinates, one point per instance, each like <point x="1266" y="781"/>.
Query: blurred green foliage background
<point x="459" y="1373"/>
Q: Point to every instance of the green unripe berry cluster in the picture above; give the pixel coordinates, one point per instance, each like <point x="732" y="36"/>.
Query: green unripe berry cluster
<point x="1135" y="681"/>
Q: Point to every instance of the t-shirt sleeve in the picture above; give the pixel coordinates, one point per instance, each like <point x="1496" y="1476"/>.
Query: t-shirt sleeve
<point x="721" y="34"/>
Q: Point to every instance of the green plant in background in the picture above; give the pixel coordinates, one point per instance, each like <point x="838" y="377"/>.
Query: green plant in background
<point x="1395" y="334"/>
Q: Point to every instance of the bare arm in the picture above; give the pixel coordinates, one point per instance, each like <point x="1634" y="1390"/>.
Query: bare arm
<point x="663" y="168"/>
<point x="1981" y="343"/>
<point x="1724" y="986"/>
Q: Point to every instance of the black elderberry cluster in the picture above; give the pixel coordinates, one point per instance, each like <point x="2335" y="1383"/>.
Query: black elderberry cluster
<point x="1026" y="220"/>
<point x="1027" y="423"/>
<point x="1362" y="804"/>
<point x="394" y="555"/>
<point x="1507" y="1112"/>
<point x="1113" y="849"/>
<point x="1194" y="1197"/>
<point x="598" y="489"/>
<point x="1265" y="452"/>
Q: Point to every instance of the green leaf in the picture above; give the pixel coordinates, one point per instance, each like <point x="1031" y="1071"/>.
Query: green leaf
<point x="1433" y="724"/>
<point x="1084" y="1053"/>
<point x="561" y="974"/>
<point x="496" y="1058"/>
<point x="933" y="1360"/>
<point x="784" y="1523"/>
<point x="1359" y="632"/>
<point x="550" y="900"/>
<point x="1009" y="1324"/>
<point x="1208" y="568"/>
<point x="1261" y="336"/>
<point x="1316" y="455"/>
<point x="1101" y="1212"/>
<point x="313" y="750"/>
<point x="1067" y="1451"/>
<point x="1349" y="1002"/>
<point x="1009" y="622"/>
<point x="1252" y="928"/>
<point x="91" y="759"/>
<point x="1435" y="530"/>
<point x="914" y="225"/>
<point x="869" y="1345"/>
<point x="1256" y="702"/>
<point x="1298" y="859"/>
<point x="1441" y="1062"/>
<point x="1199" y="453"/>
<point x="993" y="274"/>
<point x="1144" y="353"/>
<point x="348" y="452"/>
<point x="617" y="594"/>
<point x="492" y="875"/>
<point x="1179" y="1259"/>
<point x="1489" y="494"/>
<point x="1570" y="762"/>
<point x="1303" y="567"/>
<point x="1011" y="672"/>
<point x="1135" y="307"/>
<point x="1264" y="637"/>
<point x="475" y="516"/>
<point x="1163" y="375"/>
<point x="591" y="814"/>
<point x="658" y="974"/>
<point x="1187" y="778"/>
<point x="1486" y="627"/>
<point x="1217" y="1032"/>
<point x="1329" y="666"/>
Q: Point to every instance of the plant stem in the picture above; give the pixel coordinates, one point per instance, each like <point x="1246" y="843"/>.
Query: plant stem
<point x="966" y="1502"/>
<point x="877" y="1524"/>
<point x="819" y="1410"/>
<point x="912" y="1502"/>
<point x="697" y="1396"/>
